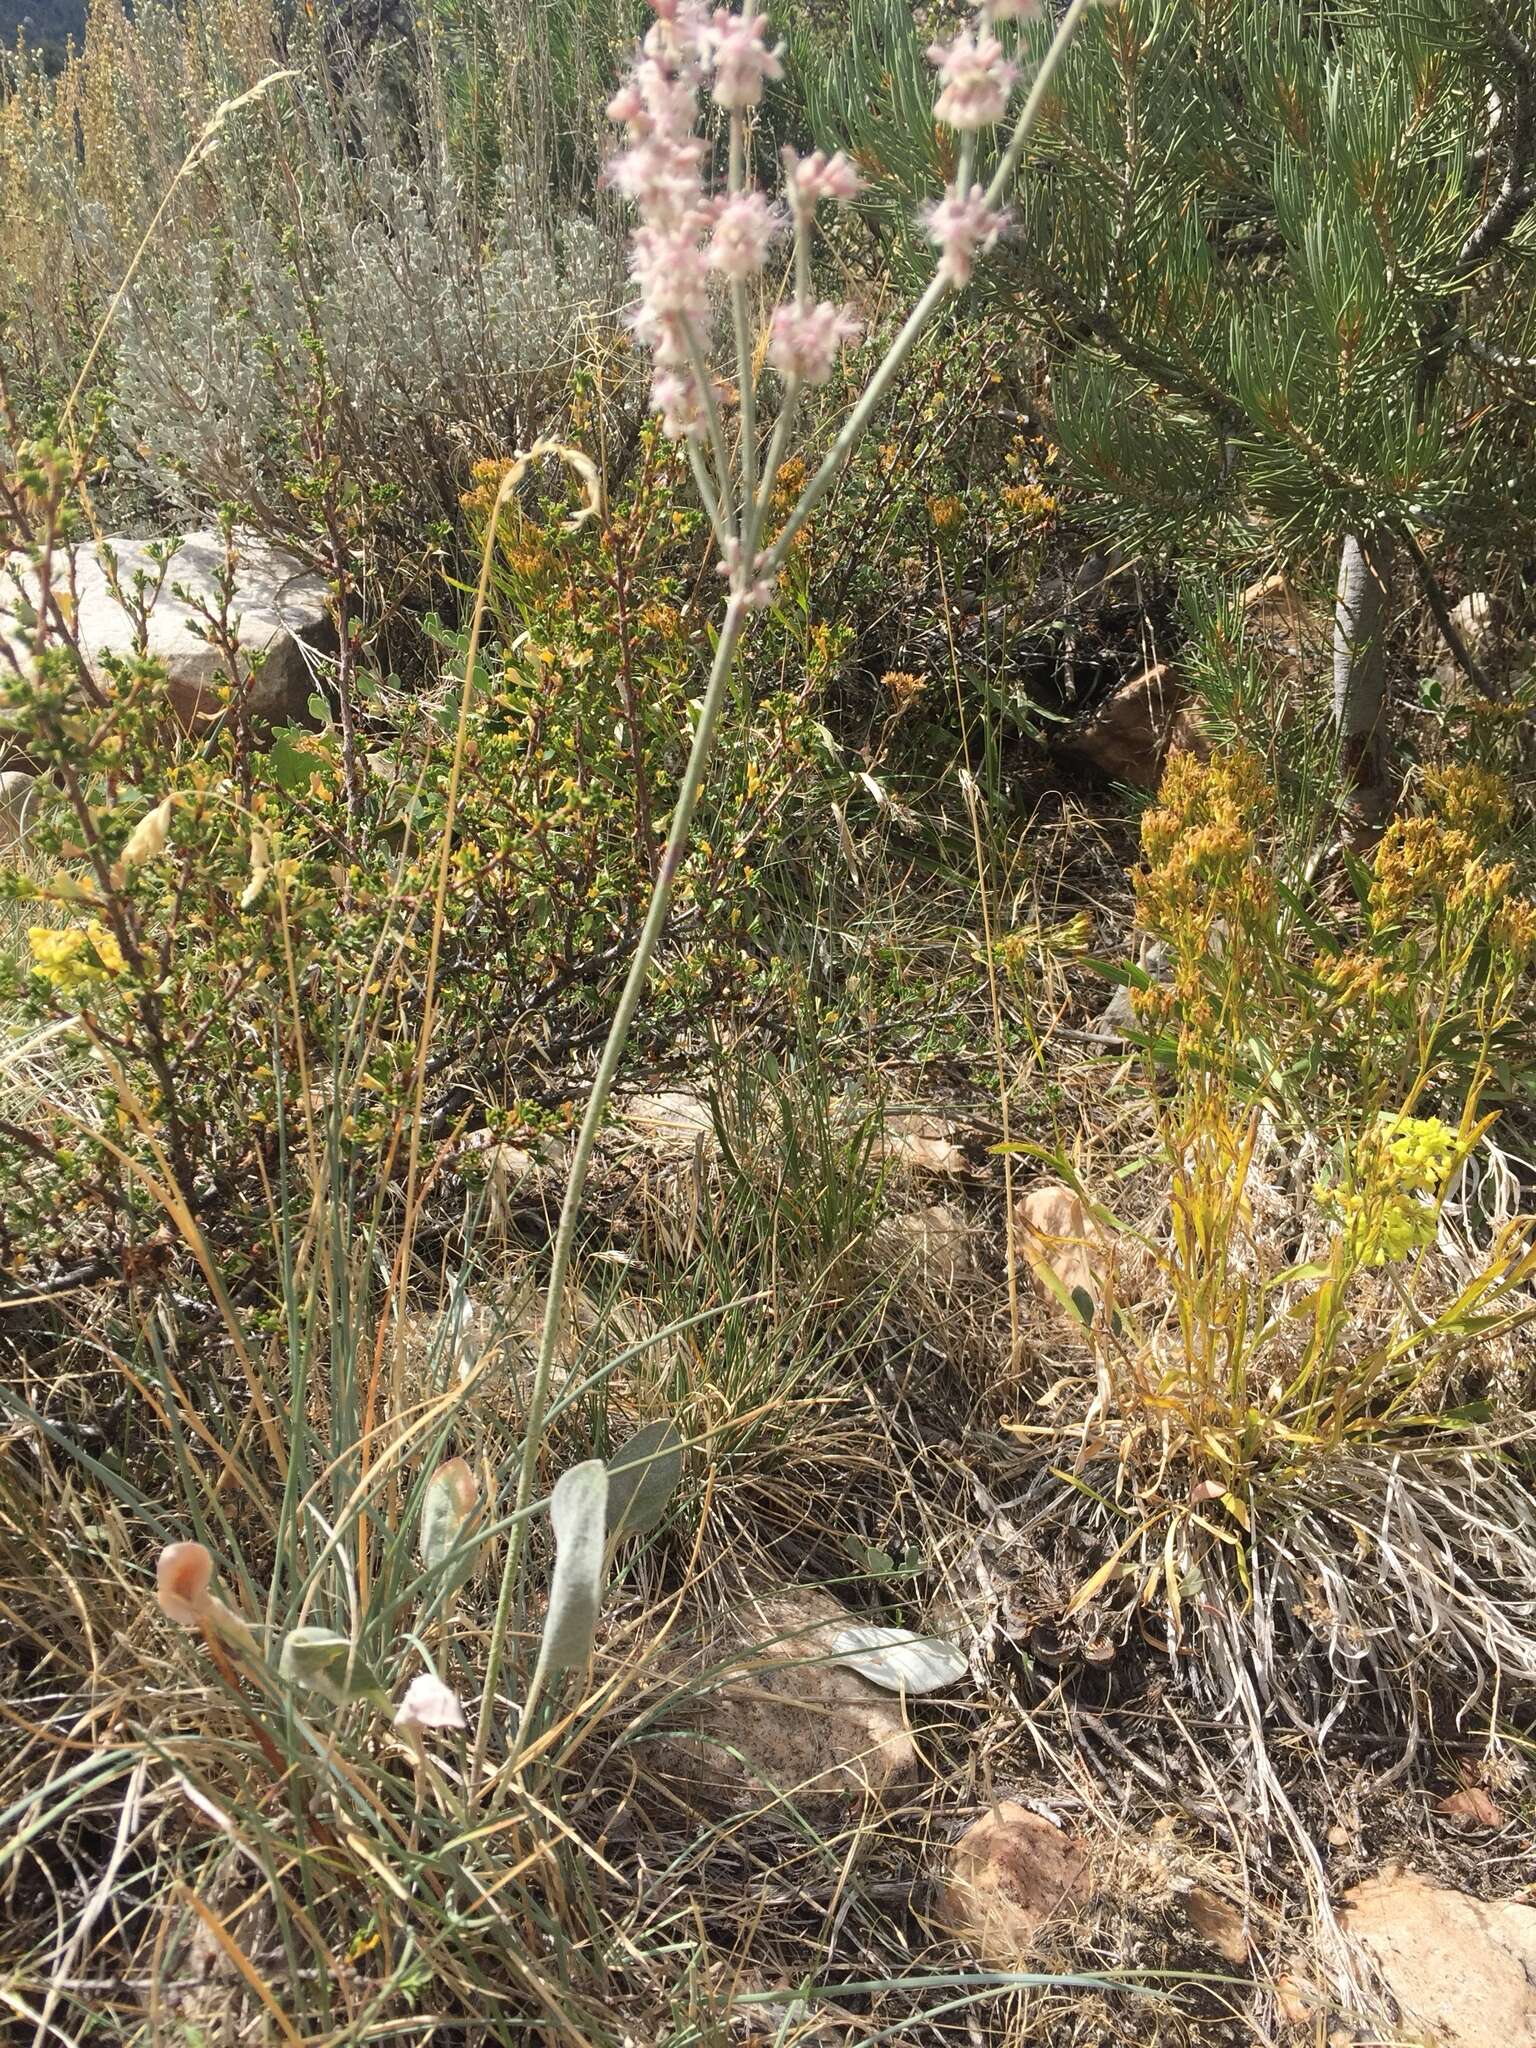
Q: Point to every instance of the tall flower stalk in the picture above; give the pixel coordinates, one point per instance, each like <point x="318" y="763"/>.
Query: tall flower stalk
<point x="692" y="247"/>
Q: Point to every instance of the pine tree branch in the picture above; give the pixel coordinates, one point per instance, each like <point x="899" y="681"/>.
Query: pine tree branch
<point x="1450" y="632"/>
<point x="1516" y="196"/>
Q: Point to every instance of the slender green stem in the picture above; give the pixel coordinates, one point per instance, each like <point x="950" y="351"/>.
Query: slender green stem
<point x="745" y="380"/>
<point x="853" y="427"/>
<point x="1040" y="85"/>
<point x="597" y="1102"/>
<point x="724" y="521"/>
<point x="789" y="405"/>
<point x="682" y="816"/>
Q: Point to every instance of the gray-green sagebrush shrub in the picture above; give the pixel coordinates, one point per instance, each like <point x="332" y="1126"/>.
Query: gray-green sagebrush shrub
<point x="345" y="282"/>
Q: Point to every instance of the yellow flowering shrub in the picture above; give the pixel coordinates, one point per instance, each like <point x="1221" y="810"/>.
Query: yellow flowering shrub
<point x="75" y="957"/>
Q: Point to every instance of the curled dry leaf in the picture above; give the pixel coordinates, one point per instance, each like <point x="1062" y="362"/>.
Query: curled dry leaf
<point x="1063" y="1247"/>
<point x="320" y="1660"/>
<point x="184" y="1590"/>
<point x="149" y="837"/>
<point x="182" y="1581"/>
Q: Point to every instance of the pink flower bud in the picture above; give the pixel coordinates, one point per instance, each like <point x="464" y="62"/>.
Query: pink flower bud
<point x="804" y="341"/>
<point x="977" y="80"/>
<point x="962" y="227"/>
<point x="810" y="179"/>
<point x="182" y="1579"/>
<point x="428" y="1703"/>
<point x="745" y="228"/>
<point x="742" y="62"/>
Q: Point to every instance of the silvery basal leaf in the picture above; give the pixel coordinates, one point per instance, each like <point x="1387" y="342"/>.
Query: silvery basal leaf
<point x="578" y="1514"/>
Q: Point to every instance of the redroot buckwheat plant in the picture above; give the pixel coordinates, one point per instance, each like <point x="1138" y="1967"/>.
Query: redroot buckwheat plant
<point x="691" y="240"/>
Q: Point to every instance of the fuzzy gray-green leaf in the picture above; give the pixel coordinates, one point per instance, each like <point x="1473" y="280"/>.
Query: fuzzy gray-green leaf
<point x="322" y="1661"/>
<point x="448" y="1507"/>
<point x="578" y="1514"/>
<point x="642" y="1478"/>
<point x="897" y="1659"/>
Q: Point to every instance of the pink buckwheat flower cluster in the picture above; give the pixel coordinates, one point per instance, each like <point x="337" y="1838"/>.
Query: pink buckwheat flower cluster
<point x="687" y="239"/>
<point x="696" y="249"/>
<point x="976" y="81"/>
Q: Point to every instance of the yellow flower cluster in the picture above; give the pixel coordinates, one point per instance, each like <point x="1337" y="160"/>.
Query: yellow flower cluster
<point x="663" y="620"/>
<point x="1200" y="840"/>
<point x="1472" y="800"/>
<point x="789" y="483"/>
<point x="945" y="512"/>
<point x="73" y="958"/>
<point x="1400" y="1172"/>
<point x="1031" y="501"/>
<point x="1361" y="980"/>
<point x="903" y="688"/>
<point x="1427" y="864"/>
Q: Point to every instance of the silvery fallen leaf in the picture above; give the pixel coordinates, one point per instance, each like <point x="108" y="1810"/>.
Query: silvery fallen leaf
<point x="898" y="1659"/>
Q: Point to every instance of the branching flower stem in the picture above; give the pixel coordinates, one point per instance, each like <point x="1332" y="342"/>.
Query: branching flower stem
<point x="748" y="575"/>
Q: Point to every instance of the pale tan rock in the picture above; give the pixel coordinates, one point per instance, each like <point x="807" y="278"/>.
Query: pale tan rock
<point x="933" y="1247"/>
<point x="1187" y="733"/>
<point x="1472" y="1806"/>
<point x="1463" y="1969"/>
<point x="768" y="1718"/>
<point x="914" y="1142"/>
<point x="1007" y="1876"/>
<point x="674" y="1121"/>
<point x="1126" y="737"/>
<point x="18" y="802"/>
<point x="278" y="613"/>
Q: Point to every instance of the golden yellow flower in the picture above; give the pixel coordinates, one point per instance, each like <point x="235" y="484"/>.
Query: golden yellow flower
<point x="903" y="688"/>
<point x="74" y="958"/>
<point x="1473" y="800"/>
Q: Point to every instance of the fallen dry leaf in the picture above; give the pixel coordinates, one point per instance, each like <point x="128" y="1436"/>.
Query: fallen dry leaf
<point x="1474" y="1806"/>
<point x="1058" y="1239"/>
<point x="1216" y="1922"/>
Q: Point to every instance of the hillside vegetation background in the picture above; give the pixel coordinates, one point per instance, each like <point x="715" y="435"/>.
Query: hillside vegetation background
<point x="964" y="1472"/>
